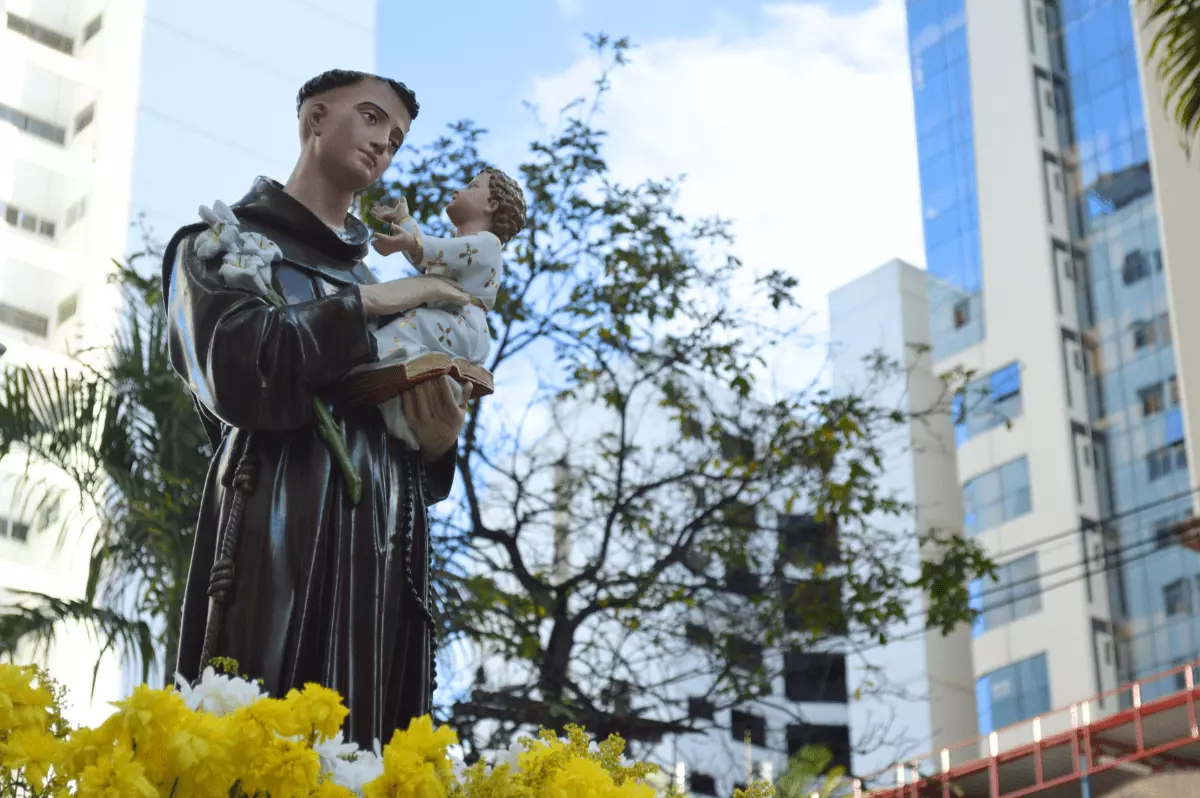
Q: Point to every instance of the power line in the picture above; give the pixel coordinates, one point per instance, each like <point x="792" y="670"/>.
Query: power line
<point x="1112" y="558"/>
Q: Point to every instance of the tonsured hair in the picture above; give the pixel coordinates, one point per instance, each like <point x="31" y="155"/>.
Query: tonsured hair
<point x="337" y="78"/>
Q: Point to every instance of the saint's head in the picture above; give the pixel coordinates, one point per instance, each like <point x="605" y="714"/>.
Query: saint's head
<point x="352" y="124"/>
<point x="493" y="198"/>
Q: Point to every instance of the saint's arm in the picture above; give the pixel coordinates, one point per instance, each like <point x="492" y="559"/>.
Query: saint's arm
<point x="258" y="367"/>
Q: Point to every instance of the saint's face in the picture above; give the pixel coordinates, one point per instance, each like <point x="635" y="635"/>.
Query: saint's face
<point x="364" y="127"/>
<point x="472" y="201"/>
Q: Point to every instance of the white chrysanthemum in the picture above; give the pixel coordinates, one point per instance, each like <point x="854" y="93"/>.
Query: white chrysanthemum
<point x="247" y="272"/>
<point x="510" y="757"/>
<point x="218" y="694"/>
<point x="260" y="246"/>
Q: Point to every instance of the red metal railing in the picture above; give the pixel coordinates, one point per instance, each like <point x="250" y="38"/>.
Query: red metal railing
<point x="1093" y="739"/>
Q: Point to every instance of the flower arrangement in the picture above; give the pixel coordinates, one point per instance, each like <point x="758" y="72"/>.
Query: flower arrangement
<point x="223" y="738"/>
<point x="246" y="265"/>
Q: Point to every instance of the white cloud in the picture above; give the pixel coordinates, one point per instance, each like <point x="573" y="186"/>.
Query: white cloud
<point x="802" y="132"/>
<point x="568" y="7"/>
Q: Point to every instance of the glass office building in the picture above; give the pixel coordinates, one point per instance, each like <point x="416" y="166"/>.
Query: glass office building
<point x="1037" y="183"/>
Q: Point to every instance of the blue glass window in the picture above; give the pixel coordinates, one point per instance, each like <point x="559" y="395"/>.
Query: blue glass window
<point x="988" y="402"/>
<point x="1011" y="694"/>
<point x="996" y="497"/>
<point x="1015" y="593"/>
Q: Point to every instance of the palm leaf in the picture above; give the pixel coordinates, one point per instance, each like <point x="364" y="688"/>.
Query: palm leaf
<point x="129" y="441"/>
<point x="1175" y="53"/>
<point x="37" y="618"/>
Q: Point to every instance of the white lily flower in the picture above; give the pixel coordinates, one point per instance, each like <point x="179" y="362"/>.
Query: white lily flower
<point x="331" y="751"/>
<point x="247" y="272"/>
<point x="259" y="245"/>
<point x="218" y="694"/>
<point x="218" y="214"/>
<point x="219" y="238"/>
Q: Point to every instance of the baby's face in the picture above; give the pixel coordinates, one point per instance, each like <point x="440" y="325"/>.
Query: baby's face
<point x="472" y="201"/>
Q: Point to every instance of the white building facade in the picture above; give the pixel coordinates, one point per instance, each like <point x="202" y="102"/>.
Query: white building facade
<point x="925" y="698"/>
<point x="118" y="120"/>
<point x="1055" y="198"/>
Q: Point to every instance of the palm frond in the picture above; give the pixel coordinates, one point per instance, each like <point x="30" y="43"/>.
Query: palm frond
<point x="1175" y="54"/>
<point x="36" y="619"/>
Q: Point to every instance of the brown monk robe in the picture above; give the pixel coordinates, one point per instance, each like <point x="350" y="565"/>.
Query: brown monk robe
<point x="324" y="590"/>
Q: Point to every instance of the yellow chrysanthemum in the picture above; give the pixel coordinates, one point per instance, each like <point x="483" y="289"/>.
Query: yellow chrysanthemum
<point x="34" y="750"/>
<point x="282" y="769"/>
<point x="327" y="789"/>
<point x="116" y="776"/>
<point x="200" y="758"/>
<point x="580" y="778"/>
<point x="317" y="710"/>
<point x="151" y="718"/>
<point x="23" y="704"/>
<point x="405" y="775"/>
<point x="426" y="742"/>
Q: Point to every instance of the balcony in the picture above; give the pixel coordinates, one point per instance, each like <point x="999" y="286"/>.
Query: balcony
<point x="55" y="41"/>
<point x="37" y="306"/>
<point x="44" y="217"/>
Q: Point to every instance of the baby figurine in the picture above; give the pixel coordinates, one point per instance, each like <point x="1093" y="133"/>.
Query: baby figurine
<point x="443" y="341"/>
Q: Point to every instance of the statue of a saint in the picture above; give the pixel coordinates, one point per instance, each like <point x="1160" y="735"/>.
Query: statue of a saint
<point x="289" y="576"/>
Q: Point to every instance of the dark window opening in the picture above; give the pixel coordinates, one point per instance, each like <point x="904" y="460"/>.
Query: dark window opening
<point x="817" y="677"/>
<point x="745" y="724"/>
<point x="834" y="738"/>
<point x="814" y="606"/>
<point x="805" y="541"/>
<point x="700" y="708"/>
<point x="703" y="784"/>
<point x="962" y="313"/>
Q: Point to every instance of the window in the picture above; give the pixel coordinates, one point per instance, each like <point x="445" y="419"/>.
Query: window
<point x="814" y="605"/>
<point x="1143" y="334"/>
<point x="1151" y="398"/>
<point x="996" y="497"/>
<point x="41" y="34"/>
<point x="816" y="677"/>
<point x="834" y="738"/>
<point x="1136" y="267"/>
<point x="962" y="313"/>
<point x="76" y="212"/>
<point x="67" y="308"/>
<point x="746" y="724"/>
<point x="702" y="783"/>
<point x="1164" y="460"/>
<point x="14" y="530"/>
<point x="699" y="635"/>
<point x="1177" y="598"/>
<point x="1040" y="15"/>
<point x="700" y="708"/>
<point x="1164" y="329"/>
<point x="1164" y="536"/>
<point x="24" y="220"/>
<point x="745" y="654"/>
<point x="92" y="28"/>
<point x="988" y="402"/>
<point x="1015" y="593"/>
<point x="1173" y="389"/>
<point x="1012" y="694"/>
<point x="31" y="323"/>
<point x="29" y="124"/>
<point x="741" y="581"/>
<point x="85" y="117"/>
<point x="803" y="540"/>
<point x="1050" y="98"/>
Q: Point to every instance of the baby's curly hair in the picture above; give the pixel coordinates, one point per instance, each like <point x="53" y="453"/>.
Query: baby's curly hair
<point x="509" y="216"/>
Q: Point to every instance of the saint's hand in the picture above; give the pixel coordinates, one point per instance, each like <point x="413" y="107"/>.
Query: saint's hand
<point x="394" y="296"/>
<point x="434" y="417"/>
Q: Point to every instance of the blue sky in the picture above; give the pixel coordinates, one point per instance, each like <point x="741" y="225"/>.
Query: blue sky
<point x="794" y="117"/>
<point x="479" y="61"/>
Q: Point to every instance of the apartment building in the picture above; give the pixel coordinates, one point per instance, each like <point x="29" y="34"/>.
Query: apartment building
<point x="117" y="121"/>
